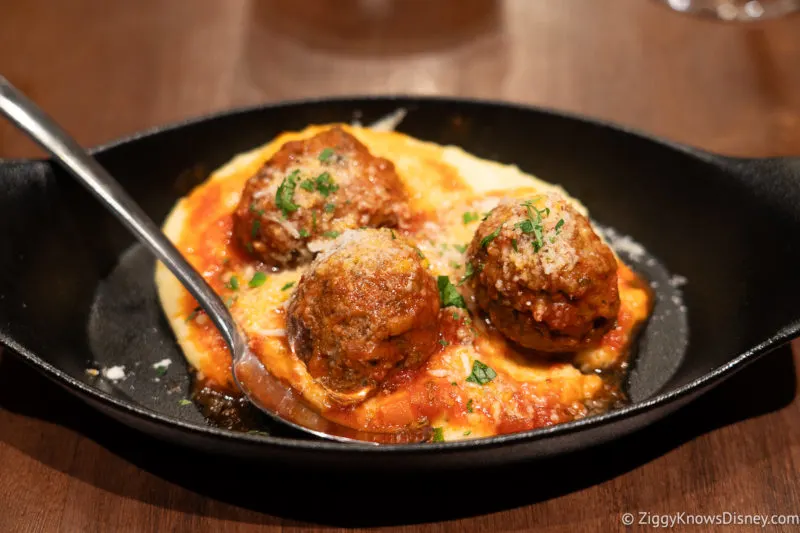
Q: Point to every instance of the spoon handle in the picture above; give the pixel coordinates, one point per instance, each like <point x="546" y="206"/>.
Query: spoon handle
<point x="44" y="131"/>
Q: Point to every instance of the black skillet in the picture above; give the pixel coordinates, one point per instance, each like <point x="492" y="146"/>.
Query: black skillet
<point x="77" y="293"/>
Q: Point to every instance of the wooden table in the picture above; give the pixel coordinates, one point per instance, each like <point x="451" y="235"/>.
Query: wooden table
<point x="105" y="69"/>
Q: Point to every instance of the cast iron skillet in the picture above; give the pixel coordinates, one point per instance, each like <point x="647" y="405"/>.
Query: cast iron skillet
<point x="76" y="293"/>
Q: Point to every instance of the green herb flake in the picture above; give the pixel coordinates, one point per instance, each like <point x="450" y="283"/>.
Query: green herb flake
<point x="468" y="273"/>
<point x="460" y="247"/>
<point x="258" y="279"/>
<point x="303" y="233"/>
<point x="469" y="217"/>
<point x="193" y="314"/>
<point x="469" y="405"/>
<point x="329" y="208"/>
<point x="313" y="221"/>
<point x="456" y="316"/>
<point x="559" y="225"/>
<point x="485" y="215"/>
<point x="307" y="185"/>
<point x="249" y="247"/>
<point x="326" y="154"/>
<point x="233" y="283"/>
<point x="443" y="342"/>
<point x="481" y="374"/>
<point x="184" y="401"/>
<point x="419" y="253"/>
<point x="455" y="264"/>
<point x="161" y="371"/>
<point x="393" y="235"/>
<point x="288" y="286"/>
<point x="331" y="234"/>
<point x="453" y="383"/>
<point x="438" y="435"/>
<point x="514" y="245"/>
<point x="489" y="238"/>
<point x="467" y="432"/>
<point x="448" y="294"/>
<point x="284" y="196"/>
<point x="254" y="229"/>
<point x="325" y="184"/>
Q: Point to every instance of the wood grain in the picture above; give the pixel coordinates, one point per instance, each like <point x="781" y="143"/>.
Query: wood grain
<point x="106" y="69"/>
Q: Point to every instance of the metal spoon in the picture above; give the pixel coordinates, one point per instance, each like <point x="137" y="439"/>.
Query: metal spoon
<point x="263" y="389"/>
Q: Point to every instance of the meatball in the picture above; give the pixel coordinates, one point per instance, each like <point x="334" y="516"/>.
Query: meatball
<point x="543" y="276"/>
<point x="312" y="190"/>
<point x="366" y="306"/>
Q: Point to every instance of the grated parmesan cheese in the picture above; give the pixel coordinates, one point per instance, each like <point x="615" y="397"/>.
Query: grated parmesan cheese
<point x="164" y="363"/>
<point x="114" y="373"/>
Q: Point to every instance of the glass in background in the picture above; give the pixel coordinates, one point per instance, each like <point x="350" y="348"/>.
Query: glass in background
<point x="736" y="10"/>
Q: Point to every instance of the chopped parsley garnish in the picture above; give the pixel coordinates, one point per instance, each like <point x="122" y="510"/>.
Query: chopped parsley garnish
<point x="288" y="286"/>
<point x="284" y="197"/>
<point x="514" y="245"/>
<point x="443" y="342"/>
<point x="468" y="272"/>
<point x="331" y="234"/>
<point x="326" y="154"/>
<point x="233" y="283"/>
<point x="256" y="211"/>
<point x="486" y="215"/>
<point x="559" y="225"/>
<point x="249" y="246"/>
<point x="329" y="208"/>
<point x="533" y="224"/>
<point x="307" y="185"/>
<point x="469" y="405"/>
<point x="481" y="374"/>
<point x="455" y="264"/>
<point x="469" y="216"/>
<point x="325" y="184"/>
<point x="456" y="315"/>
<point x="438" y="435"/>
<point x="393" y="235"/>
<point x="492" y="236"/>
<point x="419" y="253"/>
<point x="460" y="247"/>
<point x="161" y="371"/>
<point x="184" y="401"/>
<point x="467" y="432"/>
<point x="453" y="383"/>
<point x="255" y="228"/>
<point x="303" y="233"/>
<point x="193" y="314"/>
<point x="257" y="280"/>
<point x="448" y="294"/>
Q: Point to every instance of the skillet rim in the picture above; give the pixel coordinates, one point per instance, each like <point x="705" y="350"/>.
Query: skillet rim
<point x="702" y="383"/>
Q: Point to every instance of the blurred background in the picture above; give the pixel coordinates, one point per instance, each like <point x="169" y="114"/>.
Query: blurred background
<point x="106" y="69"/>
<point x="688" y="70"/>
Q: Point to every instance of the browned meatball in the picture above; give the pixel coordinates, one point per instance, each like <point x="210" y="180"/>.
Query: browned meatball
<point x="544" y="277"/>
<point x="313" y="190"/>
<point x="365" y="307"/>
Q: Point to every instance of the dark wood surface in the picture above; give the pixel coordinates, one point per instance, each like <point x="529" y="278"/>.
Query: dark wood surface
<point x="106" y="69"/>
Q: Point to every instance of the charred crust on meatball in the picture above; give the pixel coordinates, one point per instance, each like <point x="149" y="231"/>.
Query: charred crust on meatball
<point x="543" y="276"/>
<point x="365" y="308"/>
<point x="312" y="190"/>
